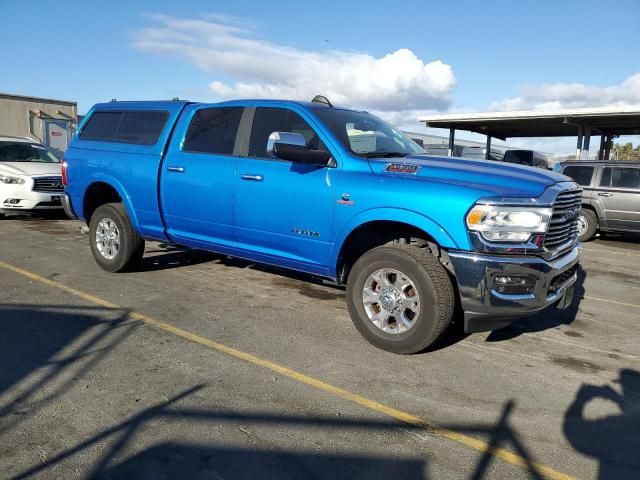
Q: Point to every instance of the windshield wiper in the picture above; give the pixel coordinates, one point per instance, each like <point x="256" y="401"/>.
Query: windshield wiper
<point x="384" y="154"/>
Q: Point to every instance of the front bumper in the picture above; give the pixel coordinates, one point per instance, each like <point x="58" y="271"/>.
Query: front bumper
<point x="487" y="309"/>
<point x="19" y="199"/>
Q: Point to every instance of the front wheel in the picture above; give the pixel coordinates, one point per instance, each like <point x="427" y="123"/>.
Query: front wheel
<point x="587" y="225"/>
<point x="115" y="245"/>
<point x="400" y="298"/>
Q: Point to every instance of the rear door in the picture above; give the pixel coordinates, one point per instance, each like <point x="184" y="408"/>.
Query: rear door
<point x="199" y="175"/>
<point x="619" y="192"/>
<point x="284" y="209"/>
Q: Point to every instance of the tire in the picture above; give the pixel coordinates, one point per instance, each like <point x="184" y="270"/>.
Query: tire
<point x="591" y="224"/>
<point x="125" y="246"/>
<point x="430" y="281"/>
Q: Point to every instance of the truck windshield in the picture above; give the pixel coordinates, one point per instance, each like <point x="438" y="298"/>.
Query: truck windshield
<point x="366" y="135"/>
<point x="25" y="152"/>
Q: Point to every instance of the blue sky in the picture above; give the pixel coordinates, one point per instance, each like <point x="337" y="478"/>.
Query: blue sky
<point x="395" y="58"/>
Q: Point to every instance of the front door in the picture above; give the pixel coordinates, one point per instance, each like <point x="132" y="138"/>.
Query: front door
<point x="284" y="209"/>
<point x="619" y="192"/>
<point x="198" y="178"/>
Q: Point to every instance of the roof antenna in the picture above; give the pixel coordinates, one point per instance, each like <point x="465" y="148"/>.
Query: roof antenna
<point x="321" y="99"/>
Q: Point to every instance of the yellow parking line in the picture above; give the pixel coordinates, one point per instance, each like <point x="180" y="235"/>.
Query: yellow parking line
<point x="472" y="442"/>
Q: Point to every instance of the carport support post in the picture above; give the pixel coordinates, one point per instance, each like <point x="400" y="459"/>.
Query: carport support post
<point x="579" y="145"/>
<point x="585" y="143"/>
<point x="452" y="138"/>
<point x="601" y="148"/>
<point x="607" y="147"/>
<point x="487" y="155"/>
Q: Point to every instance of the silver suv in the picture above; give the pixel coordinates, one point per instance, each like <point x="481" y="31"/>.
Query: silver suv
<point x="610" y="198"/>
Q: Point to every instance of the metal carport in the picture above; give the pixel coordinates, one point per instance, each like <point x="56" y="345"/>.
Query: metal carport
<point x="606" y="122"/>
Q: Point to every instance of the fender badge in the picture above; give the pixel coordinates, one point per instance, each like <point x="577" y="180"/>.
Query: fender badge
<point x="402" y="168"/>
<point x="345" y="200"/>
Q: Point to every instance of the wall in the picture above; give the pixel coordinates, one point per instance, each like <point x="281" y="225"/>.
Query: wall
<point x="21" y="116"/>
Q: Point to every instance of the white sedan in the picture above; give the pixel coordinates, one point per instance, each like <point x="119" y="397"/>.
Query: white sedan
<point x="30" y="177"/>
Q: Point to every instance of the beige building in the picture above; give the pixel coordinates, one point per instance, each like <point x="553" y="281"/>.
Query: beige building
<point x="49" y="121"/>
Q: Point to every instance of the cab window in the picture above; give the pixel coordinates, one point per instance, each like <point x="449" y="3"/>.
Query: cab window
<point x="213" y="130"/>
<point x="269" y="119"/>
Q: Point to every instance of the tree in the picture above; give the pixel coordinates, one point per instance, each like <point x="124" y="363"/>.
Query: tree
<point x="626" y="152"/>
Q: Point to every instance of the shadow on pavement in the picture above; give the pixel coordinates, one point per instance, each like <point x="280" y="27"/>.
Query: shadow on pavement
<point x="181" y="461"/>
<point x="174" y="459"/>
<point x="45" y="349"/>
<point x="545" y="320"/>
<point x="614" y="440"/>
<point x="166" y="256"/>
<point x="40" y="345"/>
<point x="615" y="238"/>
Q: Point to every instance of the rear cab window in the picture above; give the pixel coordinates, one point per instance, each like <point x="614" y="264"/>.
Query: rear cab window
<point x="142" y="127"/>
<point x="581" y="174"/>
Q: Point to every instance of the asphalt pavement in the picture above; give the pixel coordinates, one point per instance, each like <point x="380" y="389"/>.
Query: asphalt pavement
<point x="201" y="366"/>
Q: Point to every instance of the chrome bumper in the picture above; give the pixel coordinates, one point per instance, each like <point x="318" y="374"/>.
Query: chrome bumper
<point x="487" y="309"/>
<point x="67" y="207"/>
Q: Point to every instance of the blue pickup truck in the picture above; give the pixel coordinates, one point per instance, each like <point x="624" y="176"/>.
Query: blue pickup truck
<point x="333" y="192"/>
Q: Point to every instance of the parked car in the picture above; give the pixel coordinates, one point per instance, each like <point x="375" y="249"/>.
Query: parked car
<point x="530" y="158"/>
<point x="610" y="198"/>
<point x="333" y="192"/>
<point x="30" y="179"/>
<point x="481" y="152"/>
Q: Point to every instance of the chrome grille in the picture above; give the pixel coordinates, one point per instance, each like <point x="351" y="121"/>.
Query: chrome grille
<point x="48" y="184"/>
<point x="562" y="229"/>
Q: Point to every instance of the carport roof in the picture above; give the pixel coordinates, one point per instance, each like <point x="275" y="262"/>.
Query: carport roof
<point x="542" y="123"/>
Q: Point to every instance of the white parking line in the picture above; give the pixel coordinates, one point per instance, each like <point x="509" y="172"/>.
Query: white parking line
<point x="500" y="350"/>
<point x="632" y="305"/>
<point x="614" y="252"/>
<point x="585" y="347"/>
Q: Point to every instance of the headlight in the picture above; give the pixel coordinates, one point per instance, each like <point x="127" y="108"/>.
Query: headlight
<point x="508" y="224"/>
<point x="12" y="180"/>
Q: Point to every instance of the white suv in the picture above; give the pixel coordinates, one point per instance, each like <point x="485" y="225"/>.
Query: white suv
<point x="30" y="177"/>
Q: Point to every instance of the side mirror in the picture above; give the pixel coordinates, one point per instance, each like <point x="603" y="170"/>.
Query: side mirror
<point x="293" y="147"/>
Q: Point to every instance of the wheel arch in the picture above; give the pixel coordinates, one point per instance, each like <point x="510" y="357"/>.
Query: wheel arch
<point x="100" y="191"/>
<point x="378" y="230"/>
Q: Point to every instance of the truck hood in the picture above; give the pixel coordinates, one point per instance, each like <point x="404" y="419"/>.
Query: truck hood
<point x="499" y="178"/>
<point x="29" y="168"/>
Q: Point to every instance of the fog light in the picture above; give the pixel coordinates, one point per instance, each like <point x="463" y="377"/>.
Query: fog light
<point x="12" y="201"/>
<point x="514" y="284"/>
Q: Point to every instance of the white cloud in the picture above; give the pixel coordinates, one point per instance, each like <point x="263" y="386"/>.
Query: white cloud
<point x="573" y="95"/>
<point x="397" y="81"/>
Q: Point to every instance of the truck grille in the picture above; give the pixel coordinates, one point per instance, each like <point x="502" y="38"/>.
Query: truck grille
<point x="48" y="184"/>
<point x="562" y="230"/>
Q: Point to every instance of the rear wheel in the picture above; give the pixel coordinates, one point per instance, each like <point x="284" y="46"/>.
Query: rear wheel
<point x="587" y="225"/>
<point x="115" y="245"/>
<point x="400" y="298"/>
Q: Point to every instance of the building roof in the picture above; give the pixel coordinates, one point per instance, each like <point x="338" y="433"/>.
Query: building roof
<point x="542" y="123"/>
<point x="11" y="96"/>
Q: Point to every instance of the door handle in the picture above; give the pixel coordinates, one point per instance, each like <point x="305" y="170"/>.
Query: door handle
<point x="176" y="169"/>
<point x="605" y="194"/>
<point x="255" y="178"/>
